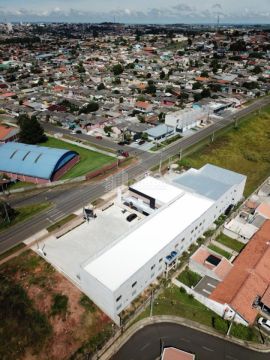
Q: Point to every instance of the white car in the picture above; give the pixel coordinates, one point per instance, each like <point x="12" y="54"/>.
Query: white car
<point x="264" y="323"/>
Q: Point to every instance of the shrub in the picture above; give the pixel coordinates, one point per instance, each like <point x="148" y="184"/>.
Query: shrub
<point x="243" y="332"/>
<point x="87" y="303"/>
<point x="220" y="324"/>
<point x="59" y="305"/>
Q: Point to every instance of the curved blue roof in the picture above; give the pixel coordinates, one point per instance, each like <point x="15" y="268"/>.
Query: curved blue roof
<point x="33" y="160"/>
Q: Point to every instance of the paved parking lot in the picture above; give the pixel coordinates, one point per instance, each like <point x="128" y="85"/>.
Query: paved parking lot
<point x="72" y="249"/>
<point x="206" y="286"/>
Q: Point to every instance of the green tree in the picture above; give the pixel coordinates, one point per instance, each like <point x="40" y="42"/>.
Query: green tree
<point x="31" y="132"/>
<point x="144" y="136"/>
<point x="101" y="86"/>
<point x="80" y="68"/>
<point x="90" y="107"/>
<point x="162" y="75"/>
<point x="196" y="86"/>
<point x="117" y="69"/>
<point x="7" y="213"/>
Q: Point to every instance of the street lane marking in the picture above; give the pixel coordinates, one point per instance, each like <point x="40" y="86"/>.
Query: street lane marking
<point x="231" y="357"/>
<point x="145" y="346"/>
<point x="207" y="349"/>
<point x="186" y="340"/>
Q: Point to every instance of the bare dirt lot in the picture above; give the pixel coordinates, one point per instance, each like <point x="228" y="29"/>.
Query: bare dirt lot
<point x="63" y="320"/>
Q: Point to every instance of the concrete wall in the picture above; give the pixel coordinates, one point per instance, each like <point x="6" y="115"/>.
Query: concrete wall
<point x="100" y="294"/>
<point x="220" y="309"/>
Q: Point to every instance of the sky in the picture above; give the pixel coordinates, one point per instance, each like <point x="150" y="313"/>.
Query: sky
<point x="137" y="11"/>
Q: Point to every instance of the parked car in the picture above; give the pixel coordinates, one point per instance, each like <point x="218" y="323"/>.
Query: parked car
<point x="264" y="323"/>
<point x="76" y="131"/>
<point x="123" y="153"/>
<point x="121" y="143"/>
<point x="99" y="137"/>
<point x="141" y="142"/>
<point x="131" y="217"/>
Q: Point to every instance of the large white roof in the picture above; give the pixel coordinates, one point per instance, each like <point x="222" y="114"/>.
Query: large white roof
<point x="117" y="264"/>
<point x="157" y="189"/>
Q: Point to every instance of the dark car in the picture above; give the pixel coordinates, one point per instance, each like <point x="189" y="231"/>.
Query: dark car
<point x="131" y="217"/>
<point x="125" y="154"/>
<point x="121" y="143"/>
<point x="99" y="137"/>
<point x="141" y="142"/>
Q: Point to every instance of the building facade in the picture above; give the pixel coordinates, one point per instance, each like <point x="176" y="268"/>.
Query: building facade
<point x="120" y="273"/>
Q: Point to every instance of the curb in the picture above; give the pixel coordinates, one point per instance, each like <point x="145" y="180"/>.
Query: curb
<point x="123" y="339"/>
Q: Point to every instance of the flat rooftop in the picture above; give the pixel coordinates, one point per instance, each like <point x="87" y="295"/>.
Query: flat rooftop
<point x="70" y="250"/>
<point x="118" y="263"/>
<point x="210" y="181"/>
<point x="157" y="189"/>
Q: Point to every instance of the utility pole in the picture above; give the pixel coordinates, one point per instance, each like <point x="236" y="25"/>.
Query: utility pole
<point x="213" y="137"/>
<point x="151" y="303"/>
<point x="6" y="212"/>
<point x="160" y="162"/>
<point x="180" y="154"/>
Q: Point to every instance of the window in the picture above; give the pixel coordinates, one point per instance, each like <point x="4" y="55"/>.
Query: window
<point x="183" y="240"/>
<point x="153" y="266"/>
<point x="152" y="275"/>
<point x="118" y="307"/>
<point x="176" y="246"/>
<point x="133" y="293"/>
<point x="160" y="260"/>
<point x="192" y="231"/>
<point x="134" y="284"/>
<point x="119" y="297"/>
<point x="196" y="227"/>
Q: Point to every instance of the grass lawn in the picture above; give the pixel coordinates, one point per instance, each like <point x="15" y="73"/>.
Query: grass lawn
<point x="245" y="150"/>
<point x="19" y="184"/>
<point x="89" y="160"/>
<point x="175" y="301"/>
<point x="220" y="251"/>
<point x="189" y="278"/>
<point x="12" y="251"/>
<point x="231" y="243"/>
<point x="26" y="212"/>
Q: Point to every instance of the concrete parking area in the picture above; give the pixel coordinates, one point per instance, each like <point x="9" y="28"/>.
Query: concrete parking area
<point x="70" y="250"/>
<point x="206" y="286"/>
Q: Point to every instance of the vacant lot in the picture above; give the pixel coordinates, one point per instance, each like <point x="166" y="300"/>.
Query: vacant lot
<point x="42" y="315"/>
<point x="89" y="160"/>
<point x="245" y="150"/>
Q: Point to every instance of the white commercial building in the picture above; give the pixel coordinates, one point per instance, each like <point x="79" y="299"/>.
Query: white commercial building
<point x="182" y="120"/>
<point x="117" y="275"/>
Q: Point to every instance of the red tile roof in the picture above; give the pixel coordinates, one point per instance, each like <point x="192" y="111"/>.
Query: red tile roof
<point x="176" y="354"/>
<point x="5" y="131"/>
<point x="249" y="277"/>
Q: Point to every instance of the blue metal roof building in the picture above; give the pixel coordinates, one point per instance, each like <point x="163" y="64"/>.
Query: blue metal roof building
<point x="32" y="160"/>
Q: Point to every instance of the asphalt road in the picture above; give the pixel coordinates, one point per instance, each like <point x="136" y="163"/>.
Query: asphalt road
<point x="68" y="199"/>
<point x="146" y="345"/>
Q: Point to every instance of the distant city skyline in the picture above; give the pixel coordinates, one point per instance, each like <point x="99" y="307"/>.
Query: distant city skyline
<point x="151" y="11"/>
